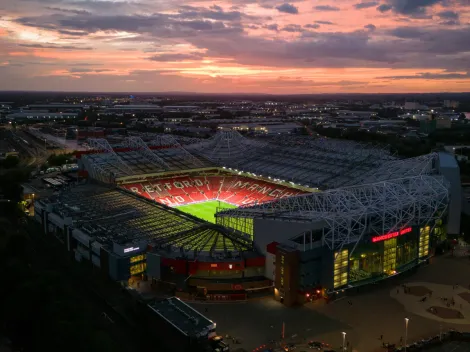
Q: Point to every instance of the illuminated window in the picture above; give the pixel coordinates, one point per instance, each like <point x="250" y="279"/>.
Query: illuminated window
<point x="138" y="258"/>
<point x="390" y="256"/>
<point x="138" y="268"/>
<point x="424" y="241"/>
<point x="340" y="274"/>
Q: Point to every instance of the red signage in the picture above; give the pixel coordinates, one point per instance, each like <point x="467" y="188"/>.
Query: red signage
<point x="391" y="235"/>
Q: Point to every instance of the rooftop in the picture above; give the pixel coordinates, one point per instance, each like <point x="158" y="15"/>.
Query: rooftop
<point x="136" y="157"/>
<point x="114" y="215"/>
<point x="183" y="317"/>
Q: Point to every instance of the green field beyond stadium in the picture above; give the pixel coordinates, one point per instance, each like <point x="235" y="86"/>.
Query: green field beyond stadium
<point x="205" y="210"/>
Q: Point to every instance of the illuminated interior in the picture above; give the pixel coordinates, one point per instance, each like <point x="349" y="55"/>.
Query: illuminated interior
<point x="424" y="241"/>
<point x="390" y="256"/>
<point x="138" y="258"/>
<point x="341" y="268"/>
<point x="384" y="257"/>
<point x="365" y="263"/>
<point x="406" y="251"/>
<point x="138" y="268"/>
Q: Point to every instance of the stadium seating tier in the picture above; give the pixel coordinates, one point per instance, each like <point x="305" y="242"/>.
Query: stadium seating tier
<point x="236" y="190"/>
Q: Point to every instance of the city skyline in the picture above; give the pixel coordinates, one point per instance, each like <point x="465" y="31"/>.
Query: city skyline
<point x="240" y="46"/>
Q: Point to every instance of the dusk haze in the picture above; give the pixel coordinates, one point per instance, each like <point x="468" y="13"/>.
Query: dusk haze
<point x="239" y="46"/>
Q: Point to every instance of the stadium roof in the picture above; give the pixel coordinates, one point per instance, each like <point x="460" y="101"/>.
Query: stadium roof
<point x="183" y="317"/>
<point x="321" y="162"/>
<point x="136" y="157"/>
<point x="122" y="217"/>
<point x="226" y="146"/>
<point x="351" y="212"/>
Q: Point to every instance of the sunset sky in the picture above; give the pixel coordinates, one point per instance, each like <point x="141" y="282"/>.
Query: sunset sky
<point x="264" y="46"/>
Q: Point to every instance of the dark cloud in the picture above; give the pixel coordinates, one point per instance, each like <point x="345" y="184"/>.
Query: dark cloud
<point x="435" y="41"/>
<point x="414" y="8"/>
<point x="426" y="48"/>
<point x="86" y="70"/>
<point x="158" y="24"/>
<point x="272" y="27"/>
<point x="431" y="76"/>
<point x="72" y="33"/>
<point x="326" y="8"/>
<point x="288" y="8"/>
<point x="366" y="5"/>
<point x="450" y="23"/>
<point x="329" y="23"/>
<point x="310" y="50"/>
<point x="384" y="8"/>
<point x="448" y="15"/>
<point x="214" y="13"/>
<point x="293" y="28"/>
<point x="312" y="26"/>
<point x="70" y="11"/>
<point x="176" y="57"/>
<point x="54" y="46"/>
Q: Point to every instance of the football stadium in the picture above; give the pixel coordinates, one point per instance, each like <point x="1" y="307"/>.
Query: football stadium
<point x="222" y="217"/>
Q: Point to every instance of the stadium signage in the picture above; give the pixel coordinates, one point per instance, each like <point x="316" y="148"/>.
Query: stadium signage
<point x="391" y="235"/>
<point x="131" y="249"/>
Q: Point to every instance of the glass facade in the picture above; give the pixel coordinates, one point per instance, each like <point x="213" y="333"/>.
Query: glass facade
<point x="340" y="277"/>
<point x="138" y="268"/>
<point x="407" y="250"/>
<point x="390" y="256"/>
<point x="383" y="257"/>
<point x="138" y="258"/>
<point x="424" y="241"/>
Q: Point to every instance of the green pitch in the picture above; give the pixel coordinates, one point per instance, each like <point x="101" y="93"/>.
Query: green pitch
<point x="205" y="210"/>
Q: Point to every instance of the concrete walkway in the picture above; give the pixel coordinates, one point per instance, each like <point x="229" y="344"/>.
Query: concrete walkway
<point x="413" y="303"/>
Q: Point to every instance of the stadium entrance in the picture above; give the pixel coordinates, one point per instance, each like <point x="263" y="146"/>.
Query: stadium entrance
<point x="384" y="258"/>
<point x="381" y="257"/>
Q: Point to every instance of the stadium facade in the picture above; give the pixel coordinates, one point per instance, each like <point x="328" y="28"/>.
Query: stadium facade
<point x="311" y="217"/>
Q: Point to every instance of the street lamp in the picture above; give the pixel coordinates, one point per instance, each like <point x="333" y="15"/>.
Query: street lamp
<point x="406" y="331"/>
<point x="344" y="341"/>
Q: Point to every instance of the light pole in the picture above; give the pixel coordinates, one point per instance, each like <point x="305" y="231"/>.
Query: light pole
<point x="406" y="331"/>
<point x="344" y="340"/>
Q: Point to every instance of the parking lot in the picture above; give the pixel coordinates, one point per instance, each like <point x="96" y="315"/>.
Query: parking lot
<point x="364" y="317"/>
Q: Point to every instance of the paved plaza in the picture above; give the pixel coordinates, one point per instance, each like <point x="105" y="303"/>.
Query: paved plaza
<point x="363" y="317"/>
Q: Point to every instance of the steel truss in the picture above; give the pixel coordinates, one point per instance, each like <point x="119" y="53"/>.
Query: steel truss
<point x="349" y="213"/>
<point x="137" y="144"/>
<point x="109" y="155"/>
<point x="226" y="146"/>
<point x="163" y="140"/>
<point x="421" y="165"/>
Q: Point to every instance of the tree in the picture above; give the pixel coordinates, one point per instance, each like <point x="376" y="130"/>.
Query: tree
<point x="10" y="162"/>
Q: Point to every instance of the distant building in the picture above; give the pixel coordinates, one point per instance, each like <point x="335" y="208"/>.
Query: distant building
<point x="57" y="107"/>
<point x="133" y="109"/>
<point x="41" y="115"/>
<point x="430" y="125"/>
<point x="451" y="104"/>
<point x="412" y="105"/>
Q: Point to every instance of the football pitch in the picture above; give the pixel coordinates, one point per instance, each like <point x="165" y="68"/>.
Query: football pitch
<point x="205" y="210"/>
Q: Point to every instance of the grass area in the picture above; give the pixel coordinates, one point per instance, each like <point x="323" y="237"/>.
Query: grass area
<point x="205" y="210"/>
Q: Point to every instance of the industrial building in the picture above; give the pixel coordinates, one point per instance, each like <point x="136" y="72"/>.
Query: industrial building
<point x="41" y="116"/>
<point x="184" y="328"/>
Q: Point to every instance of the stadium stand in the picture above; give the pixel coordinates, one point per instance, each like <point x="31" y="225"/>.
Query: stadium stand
<point x="117" y="216"/>
<point x="236" y="190"/>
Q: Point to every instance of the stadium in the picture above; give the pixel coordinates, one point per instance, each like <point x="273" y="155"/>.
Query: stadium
<point x="229" y="215"/>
